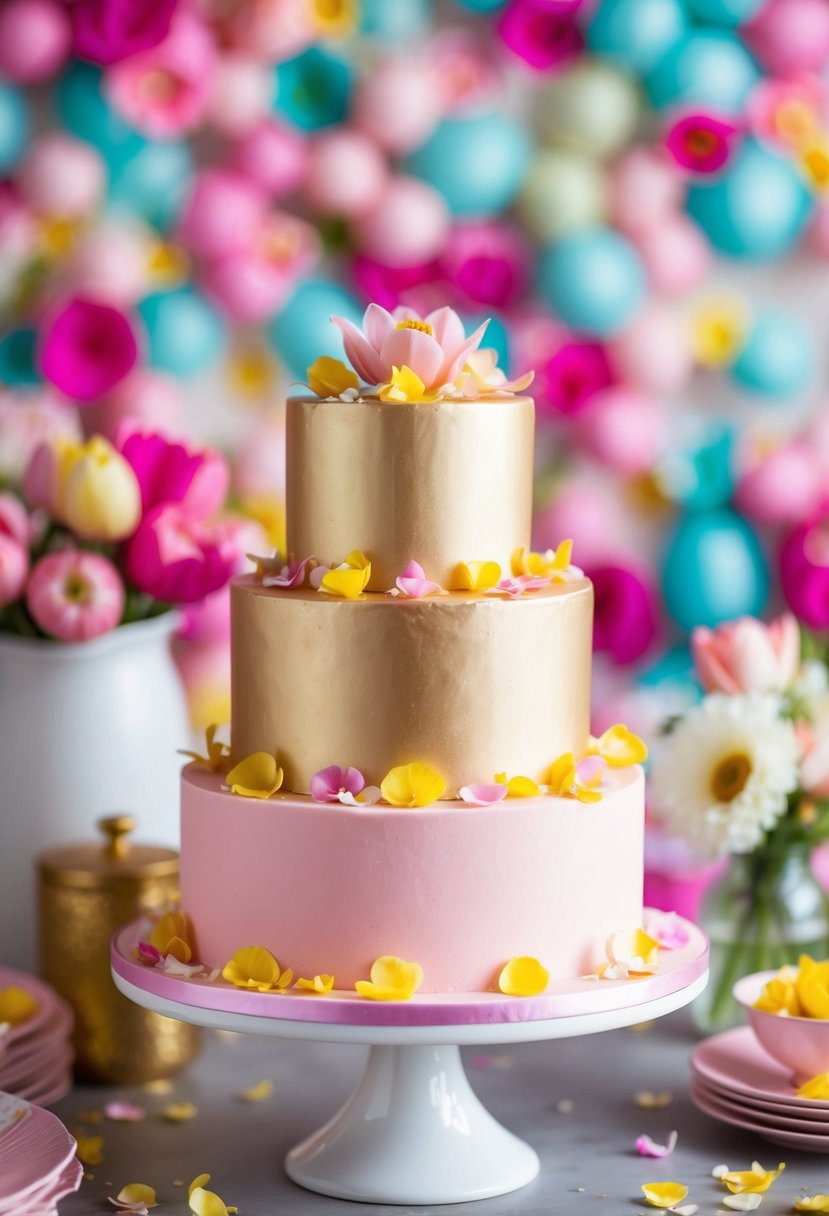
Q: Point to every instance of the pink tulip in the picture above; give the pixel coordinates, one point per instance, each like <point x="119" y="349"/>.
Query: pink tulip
<point x="14" y="568"/>
<point x="488" y="262"/>
<point x="434" y="347"/>
<point x="144" y="400"/>
<point x="398" y="104"/>
<point x="676" y="254"/>
<point x="87" y="348"/>
<point x="242" y="94"/>
<point x="220" y="212"/>
<point x="346" y="174"/>
<point x="196" y="480"/>
<point x="747" y="656"/>
<point x="623" y="429"/>
<point x="165" y="91"/>
<point x="784" y="486"/>
<point x="35" y="39"/>
<point x="408" y="224"/>
<point x="61" y="176"/>
<point x="653" y="353"/>
<point x="107" y="31"/>
<point x="75" y="596"/>
<point x="177" y="559"/>
<point x="646" y="188"/>
<point x="804" y="572"/>
<point x="273" y="155"/>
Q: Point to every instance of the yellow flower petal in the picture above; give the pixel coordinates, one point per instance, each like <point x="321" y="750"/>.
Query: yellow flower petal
<point x="664" y="1195"/>
<point x="779" y="996"/>
<point x="329" y="377"/>
<point x="523" y="976"/>
<point x="320" y="983"/>
<point x="518" y="787"/>
<point x="206" y="1203"/>
<point x="358" y="560"/>
<point x="392" y="979"/>
<point x="16" y="1005"/>
<point x="474" y="576"/>
<point x="718" y="330"/>
<point x="412" y="785"/>
<point x="812" y="1203"/>
<point x="561" y="774"/>
<point x="253" y="967"/>
<point x="217" y="752"/>
<point x="816" y="1088"/>
<point x="646" y="1099"/>
<point x="405" y="385"/>
<point x="201" y="1180"/>
<point x="90" y="1150"/>
<point x="257" y="776"/>
<point x="348" y="584"/>
<point x="258" y="1092"/>
<point x="754" y="1181"/>
<point x="814" y="161"/>
<point x="335" y="18"/>
<point x="636" y="949"/>
<point x="812" y="987"/>
<point x="172" y="934"/>
<point x="619" y="747"/>
<point x="179" y="1112"/>
<point x="137" y="1192"/>
<point x="286" y="979"/>
<point x="542" y="565"/>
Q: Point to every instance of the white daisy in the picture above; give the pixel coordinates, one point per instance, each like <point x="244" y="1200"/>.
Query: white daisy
<point x="721" y="778"/>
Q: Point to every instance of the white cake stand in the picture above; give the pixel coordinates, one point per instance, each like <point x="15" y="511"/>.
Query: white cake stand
<point x="413" y="1131"/>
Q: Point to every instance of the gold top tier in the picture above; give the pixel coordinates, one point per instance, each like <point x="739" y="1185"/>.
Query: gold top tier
<point x="440" y="483"/>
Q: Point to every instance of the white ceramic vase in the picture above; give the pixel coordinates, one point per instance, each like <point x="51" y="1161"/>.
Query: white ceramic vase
<point x="85" y="730"/>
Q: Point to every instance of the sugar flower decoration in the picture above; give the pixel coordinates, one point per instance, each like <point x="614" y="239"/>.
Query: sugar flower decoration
<point x="554" y="565"/>
<point x="482" y="377"/>
<point x="780" y="996"/>
<point x="217" y="751"/>
<point x="483" y="794"/>
<point x="136" y="1198"/>
<point x="288" y="575"/>
<point x="329" y="377"/>
<point x="206" y="1203"/>
<point x="124" y="1112"/>
<point x="475" y="576"/>
<point x="635" y="950"/>
<point x="523" y="976"/>
<point x="16" y="1006"/>
<point x="518" y="787"/>
<point x="392" y="979"/>
<point x="618" y="747"/>
<point x="433" y="349"/>
<point x="321" y="984"/>
<point x="411" y="785"/>
<point x="330" y="783"/>
<point x="701" y="143"/>
<point x="516" y="586"/>
<point x="348" y="580"/>
<point x="566" y="779"/>
<point x="255" y="967"/>
<point x="414" y="584"/>
<point x="667" y="929"/>
<point x="257" y="776"/>
<point x="406" y="385"/>
<point x="754" y="1181"/>
<point x="647" y="1147"/>
<point x="172" y="934"/>
<point x="812" y="987"/>
<point x="664" y="1195"/>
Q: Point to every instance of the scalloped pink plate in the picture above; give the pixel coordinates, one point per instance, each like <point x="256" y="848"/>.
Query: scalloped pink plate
<point x="735" y="1062"/>
<point x="45" y="1200"/>
<point x="35" y="1150"/>
<point x="564" y="998"/>
<point x="717" y="1109"/>
<point x="790" y="1118"/>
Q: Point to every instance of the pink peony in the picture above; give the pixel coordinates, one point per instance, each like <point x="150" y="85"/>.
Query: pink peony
<point x="804" y="572"/>
<point x="626" y="619"/>
<point x="747" y="656"/>
<point x="572" y="375"/>
<point x="543" y="33"/>
<point x="177" y="559"/>
<point x="273" y="155"/>
<point x="75" y="596"/>
<point x="35" y="39"/>
<point x="701" y="143"/>
<point x="107" y="31"/>
<point x="221" y="209"/>
<point x="329" y="783"/>
<point x="488" y="262"/>
<point x="165" y="91"/>
<point x="434" y="347"/>
<point x="171" y="472"/>
<point x="14" y="568"/>
<point x="86" y="348"/>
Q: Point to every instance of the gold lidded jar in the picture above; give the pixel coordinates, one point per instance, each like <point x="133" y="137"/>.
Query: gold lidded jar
<point x="85" y="893"/>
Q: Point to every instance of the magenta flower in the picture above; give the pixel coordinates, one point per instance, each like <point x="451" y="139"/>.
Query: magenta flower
<point x="171" y="472"/>
<point x="626" y="620"/>
<point x="488" y="262"/>
<point x="573" y="374"/>
<point x="414" y="584"/>
<point x="701" y="143"/>
<point x="177" y="559"/>
<point x="86" y="348"/>
<point x="75" y="596"/>
<point x="388" y="286"/>
<point x="107" y="31"/>
<point x="329" y="783"/>
<point x="541" y="32"/>
<point x="147" y="953"/>
<point x="804" y="572"/>
<point x="14" y="568"/>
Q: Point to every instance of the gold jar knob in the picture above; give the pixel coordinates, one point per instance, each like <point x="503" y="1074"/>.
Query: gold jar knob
<point x="116" y="829"/>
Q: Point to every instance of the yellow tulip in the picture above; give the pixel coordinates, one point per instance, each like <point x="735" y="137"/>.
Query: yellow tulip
<point x="101" y="497"/>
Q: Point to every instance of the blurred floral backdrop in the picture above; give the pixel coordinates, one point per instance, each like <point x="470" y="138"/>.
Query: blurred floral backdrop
<point x="633" y="190"/>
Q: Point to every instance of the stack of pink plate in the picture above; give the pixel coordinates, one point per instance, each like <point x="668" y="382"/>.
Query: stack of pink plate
<point x="37" y="1160"/>
<point x="36" y="1055"/>
<point x="737" y="1081"/>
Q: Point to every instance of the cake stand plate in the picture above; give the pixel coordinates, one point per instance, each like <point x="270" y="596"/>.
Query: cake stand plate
<point x="413" y="1131"/>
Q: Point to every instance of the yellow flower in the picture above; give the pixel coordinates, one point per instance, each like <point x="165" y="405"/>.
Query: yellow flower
<point x="349" y="580"/>
<point x="754" y="1181"/>
<point x="173" y="934"/>
<point x="217" y="752"/>
<point x="101" y="499"/>
<point x="405" y="385"/>
<point x="90" y="1150"/>
<point x="814" y="160"/>
<point x="257" y="776"/>
<point x="412" y="785"/>
<point x="474" y="576"/>
<point x="635" y="949"/>
<point x="618" y="747"/>
<point x="334" y="18"/>
<point x="137" y="1193"/>
<point x="779" y="996"/>
<point x="255" y="967"/>
<point x="542" y="565"/>
<point x="812" y="987"/>
<point x="329" y="377"/>
<point x="320" y="983"/>
<point x="392" y="979"/>
<point x="562" y="779"/>
<point x="16" y="1005"/>
<point x="665" y="1195"/>
<point x="816" y="1088"/>
<point x="718" y="331"/>
<point x="812" y="1203"/>
<point x="206" y="1203"/>
<point x="518" y="787"/>
<point x="523" y="976"/>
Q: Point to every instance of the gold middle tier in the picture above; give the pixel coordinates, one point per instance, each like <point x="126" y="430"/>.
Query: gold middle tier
<point x="442" y="482"/>
<point x="471" y="685"/>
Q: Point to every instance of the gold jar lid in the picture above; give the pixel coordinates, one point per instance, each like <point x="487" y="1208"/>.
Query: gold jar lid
<point x="116" y="860"/>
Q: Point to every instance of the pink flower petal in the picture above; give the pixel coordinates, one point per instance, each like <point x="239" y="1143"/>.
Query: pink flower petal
<point x="290" y="576"/>
<point x="591" y="770"/>
<point x="447" y="328"/>
<point x="416" y="350"/>
<point x="360" y="353"/>
<point x="148" y="954"/>
<point x="483" y="794"/>
<point x="378" y="323"/>
<point x="454" y="363"/>
<point x="124" y="1112"/>
<point x="646" y="1147"/>
<point x="667" y="929"/>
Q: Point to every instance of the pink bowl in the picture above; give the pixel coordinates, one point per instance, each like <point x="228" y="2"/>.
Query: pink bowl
<point x="802" y="1044"/>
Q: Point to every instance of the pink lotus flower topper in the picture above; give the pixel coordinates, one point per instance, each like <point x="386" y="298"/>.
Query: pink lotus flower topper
<point x="434" y="347"/>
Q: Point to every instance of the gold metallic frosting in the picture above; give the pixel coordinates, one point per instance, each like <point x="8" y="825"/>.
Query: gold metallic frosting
<point x="469" y="684"/>
<point x="445" y="482"/>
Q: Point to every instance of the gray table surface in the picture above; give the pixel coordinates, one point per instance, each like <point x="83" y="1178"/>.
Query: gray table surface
<point x="588" y="1165"/>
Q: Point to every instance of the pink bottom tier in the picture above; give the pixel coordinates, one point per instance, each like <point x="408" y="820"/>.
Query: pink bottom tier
<point x="455" y="888"/>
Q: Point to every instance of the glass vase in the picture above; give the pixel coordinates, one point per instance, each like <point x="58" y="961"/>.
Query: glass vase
<point x="764" y="911"/>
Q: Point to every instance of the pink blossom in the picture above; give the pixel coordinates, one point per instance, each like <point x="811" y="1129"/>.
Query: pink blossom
<point x="390" y="286"/>
<point x="87" y="348"/>
<point x="112" y="262"/>
<point x="626" y="618"/>
<point x="27" y="419"/>
<point x="414" y="584"/>
<point x="61" y="176"/>
<point x="273" y="155"/>
<point x="172" y="472"/>
<point x="645" y="188"/>
<point x="221" y="210"/>
<point x="747" y="656"/>
<point x="35" y="39"/>
<point x="434" y="347"/>
<point x="121" y="1111"/>
<point x="701" y="143"/>
<point x="591" y="770"/>
<point x="782" y="111"/>
<point x="543" y="33"/>
<point x="789" y="36"/>
<point x="623" y="429"/>
<point x="667" y="929"/>
<point x="14" y="518"/>
<point x="676" y="254"/>
<point x="175" y="558"/>
<point x="488" y="262"/>
<point x="252" y="285"/>
<point x="572" y="375"/>
<point x="646" y="1147"/>
<point x="518" y="584"/>
<point x="75" y="596"/>
<point x="14" y="568"/>
<point x="483" y="794"/>
<point x="290" y="575"/>
<point x="165" y="91"/>
<point x="329" y="783"/>
<point x="107" y="31"/>
<point x="148" y="954"/>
